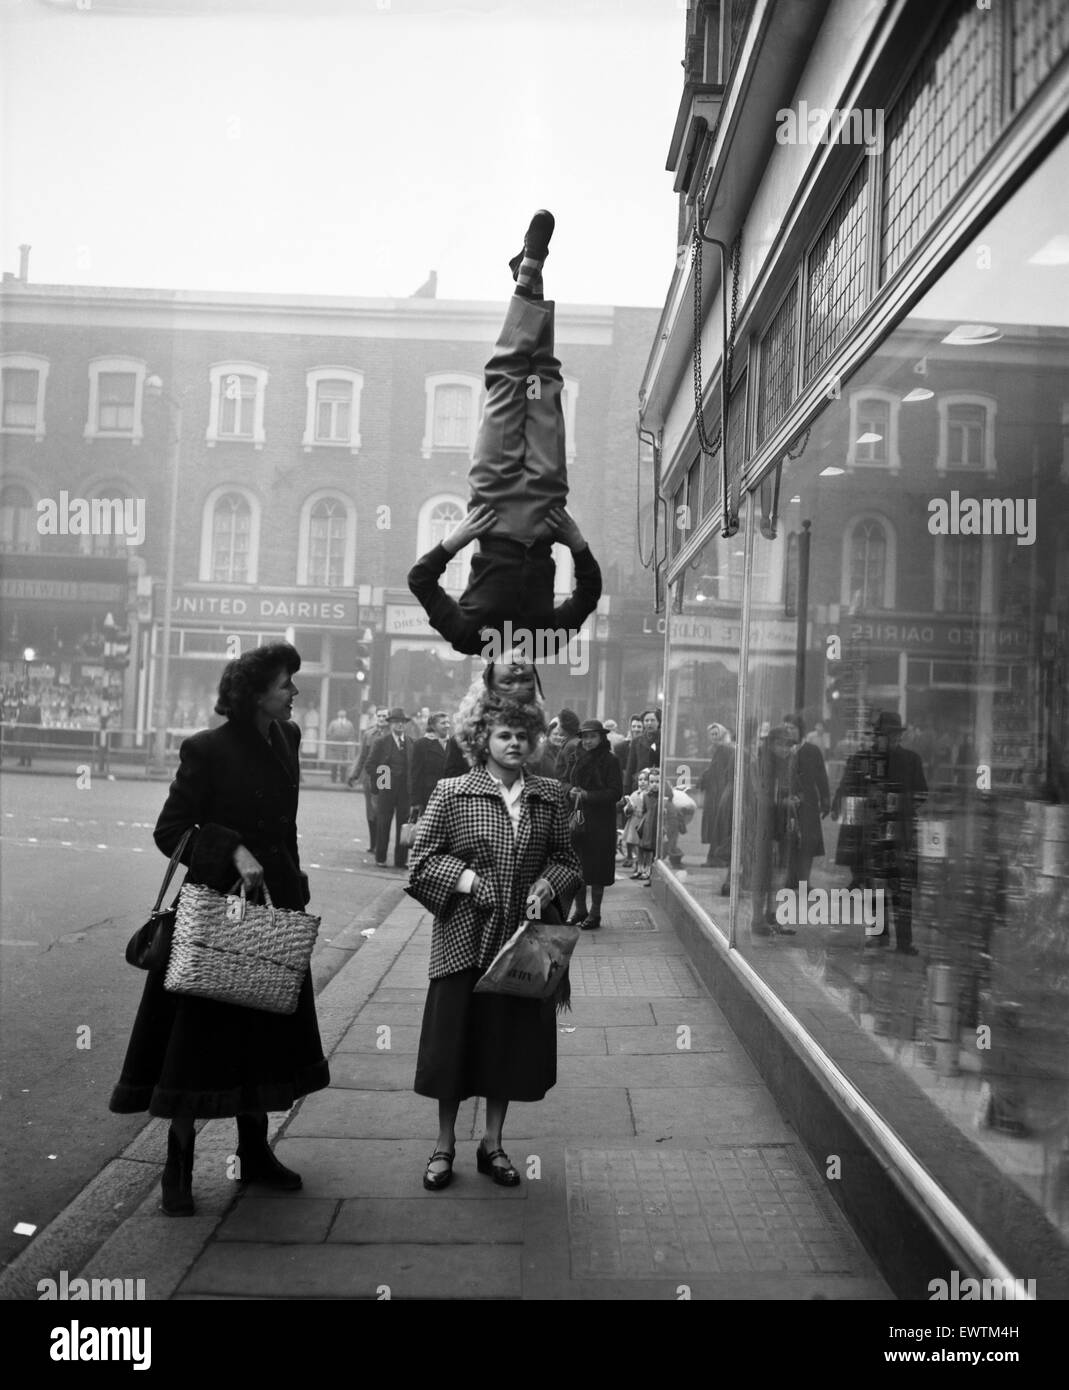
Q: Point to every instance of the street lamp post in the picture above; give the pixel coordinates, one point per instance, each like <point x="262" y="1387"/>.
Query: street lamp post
<point x="154" y="386"/>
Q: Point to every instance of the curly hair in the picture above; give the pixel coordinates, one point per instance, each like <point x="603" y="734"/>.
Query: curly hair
<point x="250" y="675"/>
<point x="474" y="729"/>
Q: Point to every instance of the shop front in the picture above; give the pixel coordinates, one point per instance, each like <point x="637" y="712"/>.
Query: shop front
<point x="68" y="623"/>
<point x="882" y="838"/>
<point x="422" y="671"/>
<point x="212" y="624"/>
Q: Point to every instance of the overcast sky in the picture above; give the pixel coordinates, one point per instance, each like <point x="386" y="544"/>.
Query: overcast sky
<point x="340" y="146"/>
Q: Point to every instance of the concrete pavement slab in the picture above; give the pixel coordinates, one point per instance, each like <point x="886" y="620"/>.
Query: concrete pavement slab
<point x="445" y="1221"/>
<point x="706" y="1036"/>
<point x="330" y="1270"/>
<point x="341" y="1114"/>
<point x="631" y="1070"/>
<point x="364" y="1037"/>
<point x="275" y="1222"/>
<point x="597" y="1013"/>
<point x="573" y="1040"/>
<point x="569" y="1110"/>
<point x="380" y="1071"/>
<point x="725" y="1114"/>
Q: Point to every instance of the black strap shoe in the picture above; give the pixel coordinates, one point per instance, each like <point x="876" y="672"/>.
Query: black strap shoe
<point x="503" y="1174"/>
<point x="434" y="1182"/>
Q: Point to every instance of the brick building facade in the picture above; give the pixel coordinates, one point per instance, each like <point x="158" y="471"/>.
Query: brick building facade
<point x="323" y="445"/>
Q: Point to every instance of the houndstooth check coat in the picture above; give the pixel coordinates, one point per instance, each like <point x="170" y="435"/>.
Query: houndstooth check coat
<point x="467" y="826"/>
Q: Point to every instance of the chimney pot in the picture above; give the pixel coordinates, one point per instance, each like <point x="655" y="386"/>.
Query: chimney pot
<point x="24" y="263"/>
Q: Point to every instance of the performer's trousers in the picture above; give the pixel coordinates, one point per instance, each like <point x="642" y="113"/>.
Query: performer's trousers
<point x="519" y="464"/>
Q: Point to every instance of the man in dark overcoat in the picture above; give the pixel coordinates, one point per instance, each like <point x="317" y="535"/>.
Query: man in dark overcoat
<point x="389" y="762"/>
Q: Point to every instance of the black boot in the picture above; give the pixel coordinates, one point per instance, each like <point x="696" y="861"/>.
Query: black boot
<point x="177" y="1185"/>
<point x="257" y="1163"/>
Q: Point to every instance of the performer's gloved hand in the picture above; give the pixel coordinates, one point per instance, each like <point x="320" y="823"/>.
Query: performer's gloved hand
<point x="478" y="521"/>
<point x="564" y="528"/>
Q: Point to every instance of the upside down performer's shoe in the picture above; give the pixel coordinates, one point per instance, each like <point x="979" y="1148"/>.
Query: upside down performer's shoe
<point x="526" y="267"/>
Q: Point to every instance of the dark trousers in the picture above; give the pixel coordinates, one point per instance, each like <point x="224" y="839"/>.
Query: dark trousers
<point x="390" y="804"/>
<point x="518" y="466"/>
<point x="371" y="802"/>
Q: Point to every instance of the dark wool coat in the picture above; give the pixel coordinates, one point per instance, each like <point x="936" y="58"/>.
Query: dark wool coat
<point x="644" y="752"/>
<point x="427" y="769"/>
<point x="809" y="783"/>
<point x="467" y="826"/>
<point x="598" y="775"/>
<point x="191" y="1056"/>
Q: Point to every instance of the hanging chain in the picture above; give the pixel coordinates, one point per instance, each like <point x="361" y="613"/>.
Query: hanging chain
<point x="707" y="445"/>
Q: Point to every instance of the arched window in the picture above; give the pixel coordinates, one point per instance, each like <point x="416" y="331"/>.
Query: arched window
<point x="18" y="518"/>
<point x="869" y="552"/>
<point x="437" y="518"/>
<point x="230" y="537"/>
<point x="326" y="550"/>
<point x="109" y="540"/>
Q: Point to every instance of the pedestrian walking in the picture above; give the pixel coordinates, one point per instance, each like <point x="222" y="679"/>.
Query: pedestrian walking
<point x="519" y="487"/>
<point x="362" y="770"/>
<point x="491" y="847"/>
<point x="341" y="745"/>
<point x="389" y="759"/>
<point x="188" y="1058"/>
<point x="594" y="786"/>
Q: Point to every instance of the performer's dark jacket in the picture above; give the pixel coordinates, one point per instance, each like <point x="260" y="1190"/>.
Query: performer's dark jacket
<point x="509" y="581"/>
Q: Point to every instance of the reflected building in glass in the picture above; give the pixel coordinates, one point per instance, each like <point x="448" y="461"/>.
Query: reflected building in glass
<point x="867" y="601"/>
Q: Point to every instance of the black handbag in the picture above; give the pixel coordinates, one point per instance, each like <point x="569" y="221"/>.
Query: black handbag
<point x="150" y="946"/>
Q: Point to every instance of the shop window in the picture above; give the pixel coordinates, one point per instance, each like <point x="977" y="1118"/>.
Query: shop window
<point x="437" y="518"/>
<point x="18" y="519"/>
<point x="873" y="433"/>
<point x="937" y="130"/>
<point x="1040" y="40"/>
<point x="236" y="404"/>
<point x="836" y="273"/>
<point x="116" y="390"/>
<point x="966" y="433"/>
<point x="679" y="524"/>
<point x="868" y="565"/>
<point x="23" y="377"/>
<point x="333" y="408"/>
<point x="778" y="352"/>
<point x="230" y="537"/>
<point x="326" y="546"/>
<point x="451" y="412"/>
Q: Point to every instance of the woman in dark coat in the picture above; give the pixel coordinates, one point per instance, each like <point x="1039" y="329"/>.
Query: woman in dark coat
<point x="189" y="1057"/>
<point x="809" y="787"/>
<point x="718" y="779"/>
<point x="596" y="785"/>
<point x="491" y="849"/>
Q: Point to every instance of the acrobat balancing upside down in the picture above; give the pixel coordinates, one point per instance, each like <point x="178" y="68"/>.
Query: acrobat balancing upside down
<point x="519" y="486"/>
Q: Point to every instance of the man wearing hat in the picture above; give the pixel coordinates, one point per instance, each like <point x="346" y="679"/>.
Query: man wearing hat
<point x="389" y="761"/>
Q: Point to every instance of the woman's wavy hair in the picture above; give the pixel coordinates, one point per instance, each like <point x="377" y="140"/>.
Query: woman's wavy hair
<point x="474" y="728"/>
<point x="249" y="675"/>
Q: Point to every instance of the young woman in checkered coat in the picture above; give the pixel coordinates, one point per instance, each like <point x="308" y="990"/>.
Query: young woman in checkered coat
<point x="488" y="845"/>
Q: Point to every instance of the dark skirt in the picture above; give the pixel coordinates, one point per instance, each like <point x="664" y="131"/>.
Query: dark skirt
<point x="196" y="1057"/>
<point x="484" y="1044"/>
<point x="596" y="846"/>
